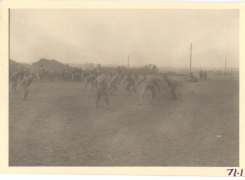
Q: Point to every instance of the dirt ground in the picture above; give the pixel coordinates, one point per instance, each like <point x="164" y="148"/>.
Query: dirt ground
<point x="60" y="126"/>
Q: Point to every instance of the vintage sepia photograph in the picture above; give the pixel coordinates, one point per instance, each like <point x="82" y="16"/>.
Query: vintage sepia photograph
<point x="123" y="87"/>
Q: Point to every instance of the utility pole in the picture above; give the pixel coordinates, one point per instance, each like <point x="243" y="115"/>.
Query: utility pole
<point x="190" y="56"/>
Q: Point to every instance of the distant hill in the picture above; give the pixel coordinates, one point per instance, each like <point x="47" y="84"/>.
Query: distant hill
<point x="48" y="63"/>
<point x="16" y="65"/>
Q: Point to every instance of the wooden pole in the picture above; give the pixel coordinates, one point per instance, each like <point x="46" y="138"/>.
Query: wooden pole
<point x="190" y="56"/>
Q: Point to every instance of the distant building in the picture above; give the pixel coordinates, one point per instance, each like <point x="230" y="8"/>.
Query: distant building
<point x="48" y="64"/>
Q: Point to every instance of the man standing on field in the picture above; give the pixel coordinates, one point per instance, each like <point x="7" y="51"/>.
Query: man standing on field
<point x="130" y="82"/>
<point x="150" y="83"/>
<point x="113" y="82"/>
<point x="101" y="84"/>
<point x="25" y="84"/>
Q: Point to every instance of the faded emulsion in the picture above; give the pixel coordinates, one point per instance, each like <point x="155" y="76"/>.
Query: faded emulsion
<point x="124" y="87"/>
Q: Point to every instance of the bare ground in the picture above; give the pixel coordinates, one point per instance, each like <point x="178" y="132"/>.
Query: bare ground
<point x="60" y="126"/>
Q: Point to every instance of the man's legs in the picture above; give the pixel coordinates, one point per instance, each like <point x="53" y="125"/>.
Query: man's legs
<point x="153" y="94"/>
<point x="128" y="87"/>
<point x="145" y="89"/>
<point x="105" y="95"/>
<point x="26" y="91"/>
<point x="86" y="85"/>
<point x="173" y="89"/>
<point x="92" y="86"/>
<point x="177" y="89"/>
<point x="112" y="88"/>
<point x="135" y="90"/>
<point x="98" y="98"/>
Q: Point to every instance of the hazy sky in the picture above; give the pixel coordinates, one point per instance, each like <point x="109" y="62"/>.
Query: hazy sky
<point x="161" y="37"/>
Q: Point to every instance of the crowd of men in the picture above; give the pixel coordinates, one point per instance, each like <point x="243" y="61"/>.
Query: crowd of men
<point x="105" y="80"/>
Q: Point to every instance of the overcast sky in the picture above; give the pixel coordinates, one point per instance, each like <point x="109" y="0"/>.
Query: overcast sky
<point x="161" y="37"/>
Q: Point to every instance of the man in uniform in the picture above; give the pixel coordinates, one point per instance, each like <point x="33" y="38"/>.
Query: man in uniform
<point x="14" y="79"/>
<point x="113" y="82"/>
<point x="173" y="85"/>
<point x="101" y="84"/>
<point x="130" y="83"/>
<point x="136" y="75"/>
<point x="90" y="79"/>
<point x="25" y="84"/>
<point x="150" y="83"/>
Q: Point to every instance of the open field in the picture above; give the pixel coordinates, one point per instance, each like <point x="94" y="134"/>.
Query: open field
<point x="60" y="126"/>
